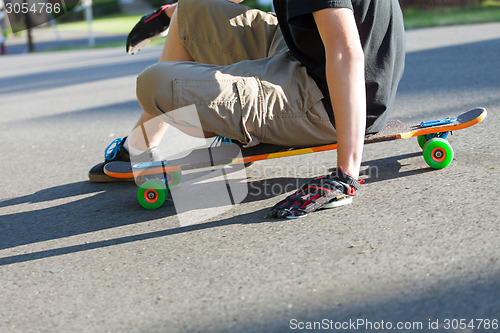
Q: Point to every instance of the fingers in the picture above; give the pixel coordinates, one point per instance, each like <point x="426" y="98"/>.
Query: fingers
<point x="290" y="206"/>
<point x="136" y="40"/>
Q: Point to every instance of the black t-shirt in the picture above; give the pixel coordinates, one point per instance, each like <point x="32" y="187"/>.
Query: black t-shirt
<point x="380" y="25"/>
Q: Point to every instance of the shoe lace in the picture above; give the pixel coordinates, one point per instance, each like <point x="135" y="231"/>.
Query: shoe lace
<point x="220" y="141"/>
<point x="112" y="149"/>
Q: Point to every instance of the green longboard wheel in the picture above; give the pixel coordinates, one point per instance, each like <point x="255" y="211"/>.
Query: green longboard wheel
<point x="421" y="141"/>
<point x="173" y="179"/>
<point x="438" y="153"/>
<point x="152" y="194"/>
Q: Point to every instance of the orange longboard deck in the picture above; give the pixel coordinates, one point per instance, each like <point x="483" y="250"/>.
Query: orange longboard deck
<point x="235" y="153"/>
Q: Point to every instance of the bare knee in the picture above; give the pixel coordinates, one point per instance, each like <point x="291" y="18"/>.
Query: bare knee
<point x="154" y="89"/>
<point x="155" y="93"/>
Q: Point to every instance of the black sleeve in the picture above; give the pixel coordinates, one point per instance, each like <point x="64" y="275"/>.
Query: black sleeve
<point x="299" y="11"/>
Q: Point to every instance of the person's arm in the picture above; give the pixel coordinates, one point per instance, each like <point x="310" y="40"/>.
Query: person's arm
<point x="345" y="73"/>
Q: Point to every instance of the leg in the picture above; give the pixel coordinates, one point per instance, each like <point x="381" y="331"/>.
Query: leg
<point x="217" y="42"/>
<point x="223" y="34"/>
<point x="270" y="100"/>
<point x="208" y="31"/>
<point x="172" y="51"/>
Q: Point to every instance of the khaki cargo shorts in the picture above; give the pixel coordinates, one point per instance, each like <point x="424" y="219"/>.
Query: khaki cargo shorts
<point x="243" y="84"/>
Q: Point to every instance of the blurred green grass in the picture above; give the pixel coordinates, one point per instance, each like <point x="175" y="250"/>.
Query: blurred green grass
<point x="113" y="24"/>
<point x="486" y="11"/>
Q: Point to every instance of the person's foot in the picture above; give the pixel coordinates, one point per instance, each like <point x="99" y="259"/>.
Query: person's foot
<point x="116" y="151"/>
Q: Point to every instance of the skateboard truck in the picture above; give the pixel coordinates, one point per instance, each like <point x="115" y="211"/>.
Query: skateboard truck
<point x="143" y="165"/>
<point x="442" y="135"/>
<point x="443" y="121"/>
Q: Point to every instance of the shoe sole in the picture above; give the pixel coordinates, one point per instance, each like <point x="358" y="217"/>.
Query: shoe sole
<point x="334" y="204"/>
<point x="108" y="179"/>
<point x="337" y="203"/>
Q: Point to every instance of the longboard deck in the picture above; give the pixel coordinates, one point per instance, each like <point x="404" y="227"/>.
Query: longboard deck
<point x="235" y="154"/>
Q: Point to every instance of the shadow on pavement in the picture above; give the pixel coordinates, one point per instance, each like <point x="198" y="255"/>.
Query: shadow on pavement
<point x="451" y="73"/>
<point x="111" y="202"/>
<point x="425" y="307"/>
<point x="389" y="168"/>
<point x="103" y="112"/>
<point x="51" y="44"/>
<point x="106" y="208"/>
<point x="73" y="76"/>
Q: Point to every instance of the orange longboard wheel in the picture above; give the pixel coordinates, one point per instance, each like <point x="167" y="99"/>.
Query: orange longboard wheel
<point x="152" y="194"/>
<point x="438" y="153"/>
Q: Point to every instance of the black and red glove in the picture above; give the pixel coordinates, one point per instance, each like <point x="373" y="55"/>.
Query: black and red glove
<point x="149" y="26"/>
<point x="328" y="191"/>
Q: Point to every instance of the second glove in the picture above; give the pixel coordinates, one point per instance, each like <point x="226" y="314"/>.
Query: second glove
<point x="149" y="26"/>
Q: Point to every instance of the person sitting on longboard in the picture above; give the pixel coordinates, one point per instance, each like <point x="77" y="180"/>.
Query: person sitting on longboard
<point x="316" y="72"/>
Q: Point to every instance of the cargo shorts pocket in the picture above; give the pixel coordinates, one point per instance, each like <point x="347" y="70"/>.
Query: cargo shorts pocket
<point x="288" y="89"/>
<point x="219" y="105"/>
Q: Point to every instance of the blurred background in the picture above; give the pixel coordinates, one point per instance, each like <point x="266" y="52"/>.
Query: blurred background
<point x="104" y="23"/>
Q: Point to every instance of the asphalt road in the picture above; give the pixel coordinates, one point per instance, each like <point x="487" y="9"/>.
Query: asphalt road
<point x="47" y="39"/>
<point x="417" y="246"/>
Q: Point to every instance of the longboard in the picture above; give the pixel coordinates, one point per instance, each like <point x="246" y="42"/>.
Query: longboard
<point x="235" y="154"/>
<point x="164" y="175"/>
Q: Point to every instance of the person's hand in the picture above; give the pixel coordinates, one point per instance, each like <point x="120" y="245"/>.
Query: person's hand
<point x="328" y="191"/>
<point x="149" y="26"/>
